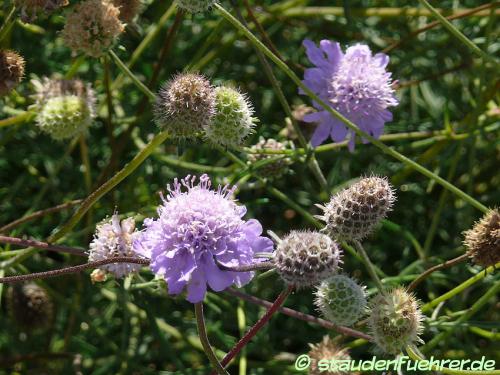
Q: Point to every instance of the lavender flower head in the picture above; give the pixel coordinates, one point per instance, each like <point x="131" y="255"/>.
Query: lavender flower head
<point x="356" y="84"/>
<point x="196" y="228"/>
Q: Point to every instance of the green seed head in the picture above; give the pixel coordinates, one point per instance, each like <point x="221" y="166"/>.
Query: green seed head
<point x="395" y="320"/>
<point x="277" y="168"/>
<point x="341" y="300"/>
<point x="64" y="117"/>
<point x="233" y="120"/>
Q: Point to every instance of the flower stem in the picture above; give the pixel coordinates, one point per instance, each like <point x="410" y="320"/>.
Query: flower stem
<point x="107" y="186"/>
<point x="300" y="315"/>
<point x="202" y="332"/>
<point x="427" y="273"/>
<point x="342" y="118"/>
<point x="8" y="22"/>
<point x="42" y="245"/>
<point x="257" y="327"/>
<point x="246" y="267"/>
<point x="369" y="265"/>
<point x="141" y="86"/>
<point x="474" y="279"/>
<point x="453" y="30"/>
<point x="19" y="119"/>
<point x="72" y="269"/>
<point x="37" y="214"/>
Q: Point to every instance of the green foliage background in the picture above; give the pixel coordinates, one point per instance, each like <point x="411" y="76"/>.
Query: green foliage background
<point x="443" y="87"/>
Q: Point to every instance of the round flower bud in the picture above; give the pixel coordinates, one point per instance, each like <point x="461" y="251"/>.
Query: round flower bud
<point x="277" y="168"/>
<point x="395" y="320"/>
<point x="128" y="9"/>
<point x="195" y="6"/>
<point x="92" y="27"/>
<point x="31" y="8"/>
<point x="98" y="276"/>
<point x="233" y="120"/>
<point x="327" y="350"/>
<point x="185" y="105"/>
<point x="64" y="117"/>
<point x="354" y="212"/>
<point x="114" y="239"/>
<point x="11" y="70"/>
<point x="30" y="306"/>
<point x="306" y="258"/>
<point x="483" y="240"/>
<point x="341" y="300"/>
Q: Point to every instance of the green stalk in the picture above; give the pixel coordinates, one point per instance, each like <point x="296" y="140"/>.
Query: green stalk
<point x="474" y="279"/>
<point x="457" y="34"/>
<point x="8" y="23"/>
<point x="141" y="86"/>
<point x="107" y="186"/>
<point x="339" y="116"/>
<point x="369" y="265"/>
<point x="19" y="119"/>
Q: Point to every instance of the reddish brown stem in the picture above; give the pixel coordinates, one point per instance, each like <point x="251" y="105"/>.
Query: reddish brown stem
<point x="42" y="245"/>
<point x="38" y="214"/>
<point x="300" y="315"/>
<point x="256" y="328"/>
<point x="73" y="269"/>
<point x="438" y="267"/>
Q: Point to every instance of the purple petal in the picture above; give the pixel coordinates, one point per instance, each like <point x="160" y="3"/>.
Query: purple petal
<point x="320" y="134"/>
<point x="332" y="50"/>
<point x="217" y="279"/>
<point x="338" y="130"/>
<point x="382" y="59"/>
<point x="315" y="54"/>
<point x="197" y="287"/>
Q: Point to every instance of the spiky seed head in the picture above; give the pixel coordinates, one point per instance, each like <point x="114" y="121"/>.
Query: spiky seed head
<point x="30" y="306"/>
<point x="129" y="9"/>
<point x="233" y="120"/>
<point x="31" y="8"/>
<point x="483" y="240"/>
<point x="277" y="168"/>
<point x="185" y="105"/>
<point x="195" y="6"/>
<point x="64" y="117"/>
<point x="395" y="320"/>
<point x="92" y="27"/>
<point x="305" y="258"/>
<point x="353" y="213"/>
<point x="327" y="350"/>
<point x="341" y="300"/>
<point x="114" y="238"/>
<point x="11" y="70"/>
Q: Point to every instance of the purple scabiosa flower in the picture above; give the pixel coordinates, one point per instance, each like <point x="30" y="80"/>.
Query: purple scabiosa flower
<point x="356" y="84"/>
<point x="196" y="228"/>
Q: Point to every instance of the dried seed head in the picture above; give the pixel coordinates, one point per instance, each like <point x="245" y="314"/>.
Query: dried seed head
<point x="31" y="8"/>
<point x="232" y="121"/>
<point x="305" y="258"/>
<point x="341" y="300"/>
<point x="98" y="276"/>
<point x="129" y="9"/>
<point x="185" y="105"/>
<point x="327" y="350"/>
<point x="30" y="306"/>
<point x="483" y="240"/>
<point x="354" y="212"/>
<point x="114" y="239"/>
<point x="92" y="27"/>
<point x="277" y="168"/>
<point x="11" y="70"/>
<point x="195" y="6"/>
<point x="395" y="320"/>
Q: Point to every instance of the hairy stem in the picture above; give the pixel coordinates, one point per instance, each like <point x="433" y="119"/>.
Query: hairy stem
<point x="42" y="245"/>
<point x="72" y="269"/>
<point x="202" y="332"/>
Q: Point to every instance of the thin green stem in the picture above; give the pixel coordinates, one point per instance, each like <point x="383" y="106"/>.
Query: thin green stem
<point x="340" y="117"/>
<point x="110" y="184"/>
<point x="19" y="119"/>
<point x="141" y="86"/>
<point x="369" y="265"/>
<point x="240" y="313"/>
<point x="456" y="33"/>
<point x="416" y="357"/>
<point x="474" y="279"/>
<point x="8" y="23"/>
<point x="492" y="292"/>
<point x="202" y="332"/>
